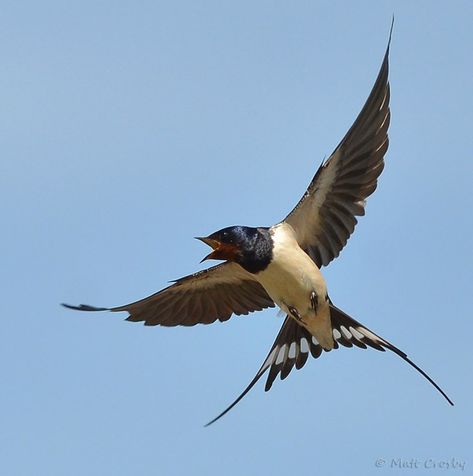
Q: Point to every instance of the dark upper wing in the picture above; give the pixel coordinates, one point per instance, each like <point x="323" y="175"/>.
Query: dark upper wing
<point x="324" y="218"/>
<point x="294" y="343"/>
<point x="203" y="297"/>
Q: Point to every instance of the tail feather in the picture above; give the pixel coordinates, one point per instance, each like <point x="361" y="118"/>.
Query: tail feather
<point x="294" y="343"/>
<point x="362" y="334"/>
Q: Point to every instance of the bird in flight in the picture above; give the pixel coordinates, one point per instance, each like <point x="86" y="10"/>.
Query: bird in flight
<point x="280" y="265"/>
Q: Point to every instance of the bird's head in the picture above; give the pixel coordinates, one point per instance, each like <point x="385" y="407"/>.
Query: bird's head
<point x="244" y="245"/>
<point x="228" y="243"/>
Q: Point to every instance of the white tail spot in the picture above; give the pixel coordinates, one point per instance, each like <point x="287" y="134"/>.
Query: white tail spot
<point x="304" y="345"/>
<point x="345" y="332"/>
<point x="356" y="334"/>
<point x="280" y="358"/>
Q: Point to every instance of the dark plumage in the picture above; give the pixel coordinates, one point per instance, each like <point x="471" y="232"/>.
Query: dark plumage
<point x="254" y="246"/>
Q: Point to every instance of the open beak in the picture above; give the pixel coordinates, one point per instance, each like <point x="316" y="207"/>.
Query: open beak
<point x="221" y="251"/>
<point x="214" y="244"/>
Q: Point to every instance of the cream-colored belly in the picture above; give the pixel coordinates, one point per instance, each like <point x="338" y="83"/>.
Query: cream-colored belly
<point x="291" y="278"/>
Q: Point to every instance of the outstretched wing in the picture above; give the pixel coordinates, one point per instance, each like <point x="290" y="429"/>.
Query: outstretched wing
<point x="294" y="344"/>
<point x="325" y="217"/>
<point x="204" y="297"/>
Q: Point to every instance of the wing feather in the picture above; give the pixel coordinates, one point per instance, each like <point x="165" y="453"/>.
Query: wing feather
<point x="325" y="217"/>
<point x="204" y="297"/>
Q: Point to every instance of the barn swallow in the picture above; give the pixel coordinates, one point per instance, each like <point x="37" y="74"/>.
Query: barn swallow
<point x="280" y="265"/>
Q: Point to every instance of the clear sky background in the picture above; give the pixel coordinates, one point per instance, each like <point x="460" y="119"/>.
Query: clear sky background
<point x="130" y="127"/>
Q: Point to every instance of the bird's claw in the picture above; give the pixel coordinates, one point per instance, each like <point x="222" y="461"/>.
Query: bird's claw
<point x="295" y="313"/>
<point x="314" y="301"/>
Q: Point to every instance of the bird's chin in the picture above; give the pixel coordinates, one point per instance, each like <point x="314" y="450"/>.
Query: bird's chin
<point x="212" y="255"/>
<point x="223" y="253"/>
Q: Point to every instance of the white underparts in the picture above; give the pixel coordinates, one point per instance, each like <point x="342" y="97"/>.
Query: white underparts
<point x="290" y="279"/>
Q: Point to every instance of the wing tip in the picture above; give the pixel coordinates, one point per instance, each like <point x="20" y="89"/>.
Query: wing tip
<point x="84" y="307"/>
<point x="391" y="31"/>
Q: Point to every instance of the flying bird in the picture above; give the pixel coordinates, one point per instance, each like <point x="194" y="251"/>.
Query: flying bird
<point x="280" y="265"/>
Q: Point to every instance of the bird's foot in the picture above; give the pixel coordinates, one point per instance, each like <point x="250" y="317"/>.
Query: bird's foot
<point x="295" y="313"/>
<point x="314" y="301"/>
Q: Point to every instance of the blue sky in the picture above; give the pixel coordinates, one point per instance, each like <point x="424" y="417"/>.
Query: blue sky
<point x="129" y="128"/>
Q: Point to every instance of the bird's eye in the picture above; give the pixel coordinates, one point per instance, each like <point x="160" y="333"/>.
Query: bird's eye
<point x="226" y="237"/>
